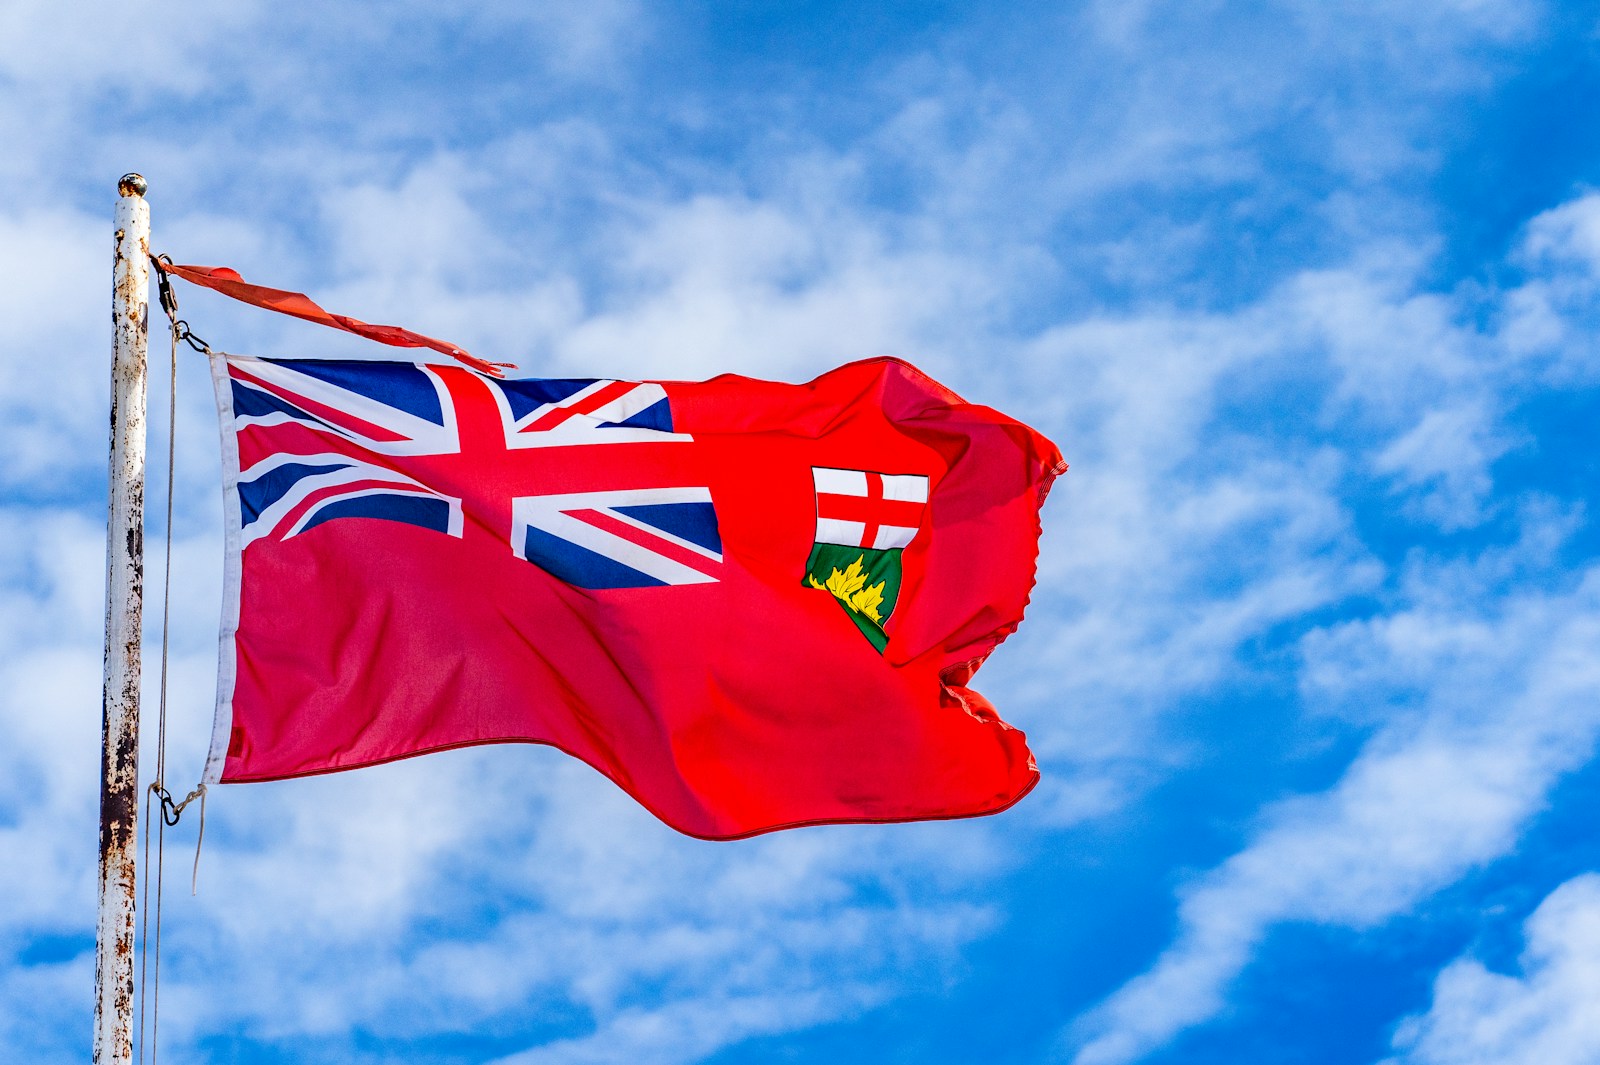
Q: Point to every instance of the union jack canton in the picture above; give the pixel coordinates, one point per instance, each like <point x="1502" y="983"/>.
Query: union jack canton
<point x="461" y="454"/>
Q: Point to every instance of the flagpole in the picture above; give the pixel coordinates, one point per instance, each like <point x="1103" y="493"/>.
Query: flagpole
<point x="119" y="754"/>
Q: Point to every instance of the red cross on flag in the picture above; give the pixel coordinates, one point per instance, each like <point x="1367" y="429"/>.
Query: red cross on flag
<point x="860" y="508"/>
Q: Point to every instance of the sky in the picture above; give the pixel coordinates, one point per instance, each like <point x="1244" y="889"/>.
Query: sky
<point x="1307" y="292"/>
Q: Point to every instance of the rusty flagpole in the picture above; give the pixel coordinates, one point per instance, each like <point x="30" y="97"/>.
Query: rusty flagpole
<point x="119" y="755"/>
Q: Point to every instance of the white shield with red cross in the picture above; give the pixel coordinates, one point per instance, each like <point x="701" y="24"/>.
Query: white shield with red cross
<point x="860" y="508"/>
<point x="864" y="521"/>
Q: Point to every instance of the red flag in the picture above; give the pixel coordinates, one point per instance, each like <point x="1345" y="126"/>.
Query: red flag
<point x="751" y="605"/>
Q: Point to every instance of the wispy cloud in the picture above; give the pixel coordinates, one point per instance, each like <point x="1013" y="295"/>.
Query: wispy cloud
<point x="1545" y="1014"/>
<point x="1505" y="690"/>
<point x="1508" y="704"/>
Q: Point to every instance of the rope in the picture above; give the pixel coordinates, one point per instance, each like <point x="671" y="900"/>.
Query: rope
<point x="168" y="811"/>
<point x="144" y="923"/>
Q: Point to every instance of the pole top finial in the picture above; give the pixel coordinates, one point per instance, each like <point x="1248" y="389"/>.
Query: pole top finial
<point x="132" y="185"/>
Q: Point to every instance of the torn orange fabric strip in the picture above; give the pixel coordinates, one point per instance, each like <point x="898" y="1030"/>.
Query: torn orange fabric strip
<point x="298" y="305"/>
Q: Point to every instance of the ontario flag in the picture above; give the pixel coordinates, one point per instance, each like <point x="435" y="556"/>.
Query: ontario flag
<point x="751" y="605"/>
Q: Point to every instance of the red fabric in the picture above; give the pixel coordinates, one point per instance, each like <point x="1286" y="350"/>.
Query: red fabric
<point x="727" y="709"/>
<point x="227" y="281"/>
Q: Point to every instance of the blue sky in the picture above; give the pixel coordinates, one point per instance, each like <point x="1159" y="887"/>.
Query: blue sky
<point x="1307" y="292"/>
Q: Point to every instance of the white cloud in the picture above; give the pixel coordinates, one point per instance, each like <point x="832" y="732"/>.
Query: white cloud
<point x="1449" y="451"/>
<point x="55" y="369"/>
<point x="45" y="1000"/>
<point x="99" y="45"/>
<point x="1510" y="702"/>
<point x="583" y="40"/>
<point x="714" y="285"/>
<point x="691" y="1031"/>
<point x="1552" y="318"/>
<point x="1546" y="1014"/>
<point x="1213" y="455"/>
<point x="595" y="913"/>
<point x="1570" y="231"/>
<point x="50" y="617"/>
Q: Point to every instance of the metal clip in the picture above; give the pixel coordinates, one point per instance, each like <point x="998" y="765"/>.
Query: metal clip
<point x="181" y="330"/>
<point x="172" y="811"/>
<point x="169" y="298"/>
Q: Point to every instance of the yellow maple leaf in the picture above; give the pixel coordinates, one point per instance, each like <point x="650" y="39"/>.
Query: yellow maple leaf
<point x="850" y="588"/>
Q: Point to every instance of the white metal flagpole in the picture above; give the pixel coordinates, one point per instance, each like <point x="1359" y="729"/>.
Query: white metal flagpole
<point x="119" y="754"/>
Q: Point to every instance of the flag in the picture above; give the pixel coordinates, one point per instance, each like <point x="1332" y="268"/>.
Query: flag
<point x="751" y="605"/>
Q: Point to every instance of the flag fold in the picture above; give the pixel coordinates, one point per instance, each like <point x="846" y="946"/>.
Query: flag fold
<point x="751" y="605"/>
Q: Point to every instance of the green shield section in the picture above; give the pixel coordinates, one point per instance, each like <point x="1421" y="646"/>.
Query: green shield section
<point x="865" y="582"/>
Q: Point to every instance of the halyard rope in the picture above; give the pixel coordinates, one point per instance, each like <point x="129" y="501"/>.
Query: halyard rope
<point x="169" y="811"/>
